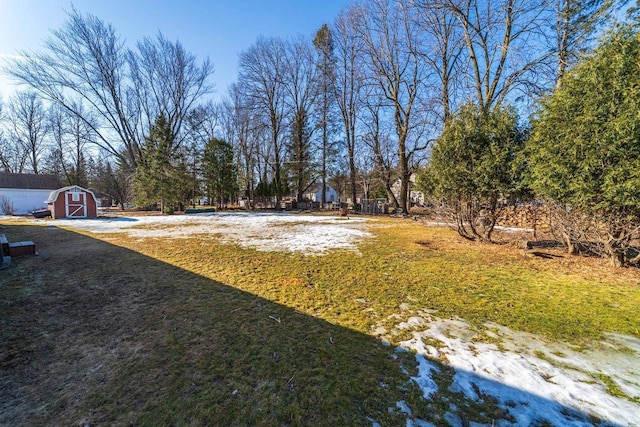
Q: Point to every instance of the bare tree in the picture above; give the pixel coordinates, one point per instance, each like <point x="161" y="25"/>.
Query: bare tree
<point x="500" y="38"/>
<point x="12" y="159"/>
<point x="85" y="68"/>
<point x="261" y="78"/>
<point x="201" y="125"/>
<point x="113" y="180"/>
<point x="242" y="132"/>
<point x="168" y="80"/>
<point x="442" y="51"/>
<point x="378" y="140"/>
<point x="204" y="120"/>
<point x="348" y="84"/>
<point x="85" y="60"/>
<point x="391" y="42"/>
<point x="366" y="171"/>
<point x="301" y="78"/>
<point x="29" y="127"/>
<point x="576" y="22"/>
<point x="69" y="136"/>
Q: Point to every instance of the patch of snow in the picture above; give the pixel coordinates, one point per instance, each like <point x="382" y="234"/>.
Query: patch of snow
<point x="380" y="330"/>
<point x="529" y="377"/>
<point x="513" y="229"/>
<point x="309" y="234"/>
<point x="373" y="422"/>
<point x="423" y="379"/>
<point x="412" y="323"/>
<point x="411" y="421"/>
<point x="404" y="408"/>
<point x="453" y="419"/>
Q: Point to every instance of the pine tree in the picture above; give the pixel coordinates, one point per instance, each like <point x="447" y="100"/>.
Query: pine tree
<point x="162" y="175"/>
<point x="323" y="43"/>
<point x="219" y="170"/>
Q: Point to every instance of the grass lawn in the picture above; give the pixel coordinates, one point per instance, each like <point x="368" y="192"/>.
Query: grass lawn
<point x="111" y="329"/>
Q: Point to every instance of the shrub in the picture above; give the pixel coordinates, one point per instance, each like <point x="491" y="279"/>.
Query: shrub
<point x="584" y="154"/>
<point x="6" y="206"/>
<point x="473" y="168"/>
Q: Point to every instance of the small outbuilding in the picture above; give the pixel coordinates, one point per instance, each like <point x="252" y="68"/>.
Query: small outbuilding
<point x="21" y="193"/>
<point x="72" y="202"/>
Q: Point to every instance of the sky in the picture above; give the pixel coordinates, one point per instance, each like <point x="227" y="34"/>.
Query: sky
<point x="217" y="29"/>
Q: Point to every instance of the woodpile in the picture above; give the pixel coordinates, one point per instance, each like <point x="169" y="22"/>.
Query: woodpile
<point x="525" y="216"/>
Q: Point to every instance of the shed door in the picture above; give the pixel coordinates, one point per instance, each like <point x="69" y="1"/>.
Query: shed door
<point x="76" y="203"/>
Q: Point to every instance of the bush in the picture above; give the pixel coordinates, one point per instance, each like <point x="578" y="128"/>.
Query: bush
<point x="584" y="154"/>
<point x="6" y="206"/>
<point x="473" y="167"/>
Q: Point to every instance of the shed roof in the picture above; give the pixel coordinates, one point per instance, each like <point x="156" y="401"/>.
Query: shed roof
<point x="54" y="194"/>
<point x="29" y="181"/>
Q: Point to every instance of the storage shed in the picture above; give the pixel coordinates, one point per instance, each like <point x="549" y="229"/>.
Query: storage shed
<point x="72" y="202"/>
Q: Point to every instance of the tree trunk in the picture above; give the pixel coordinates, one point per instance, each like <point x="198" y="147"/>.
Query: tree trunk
<point x="616" y="257"/>
<point x="404" y="190"/>
<point x="568" y="241"/>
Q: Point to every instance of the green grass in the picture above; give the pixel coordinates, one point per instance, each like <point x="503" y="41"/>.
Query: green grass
<point x="195" y="332"/>
<point x="475" y="282"/>
<point x="613" y="389"/>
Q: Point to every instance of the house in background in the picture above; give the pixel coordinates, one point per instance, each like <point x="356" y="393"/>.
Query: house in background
<point x="23" y="193"/>
<point x="72" y="202"/>
<point x="416" y="198"/>
<point x="314" y="194"/>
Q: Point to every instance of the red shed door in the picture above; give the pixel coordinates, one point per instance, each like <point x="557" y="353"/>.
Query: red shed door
<point x="76" y="203"/>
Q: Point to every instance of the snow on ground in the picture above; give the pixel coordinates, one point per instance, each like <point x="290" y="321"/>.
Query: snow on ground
<point x="531" y="378"/>
<point x="309" y="234"/>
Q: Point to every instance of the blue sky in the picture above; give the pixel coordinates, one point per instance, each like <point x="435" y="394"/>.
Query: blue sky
<point x="218" y="29"/>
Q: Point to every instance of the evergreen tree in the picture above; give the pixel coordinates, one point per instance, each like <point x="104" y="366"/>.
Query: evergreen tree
<point x="473" y="166"/>
<point x="220" y="171"/>
<point x="299" y="150"/>
<point x="584" y="153"/>
<point x="323" y="42"/>
<point x="162" y="174"/>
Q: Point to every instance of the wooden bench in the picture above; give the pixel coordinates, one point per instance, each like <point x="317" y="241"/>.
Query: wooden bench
<point x="22" y="248"/>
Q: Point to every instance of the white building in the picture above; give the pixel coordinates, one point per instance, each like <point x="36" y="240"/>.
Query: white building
<point x="416" y="198"/>
<point x="314" y="194"/>
<point x="21" y="193"/>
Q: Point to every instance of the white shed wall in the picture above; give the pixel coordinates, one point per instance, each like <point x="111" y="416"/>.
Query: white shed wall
<point x="24" y="201"/>
<point x="332" y="195"/>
